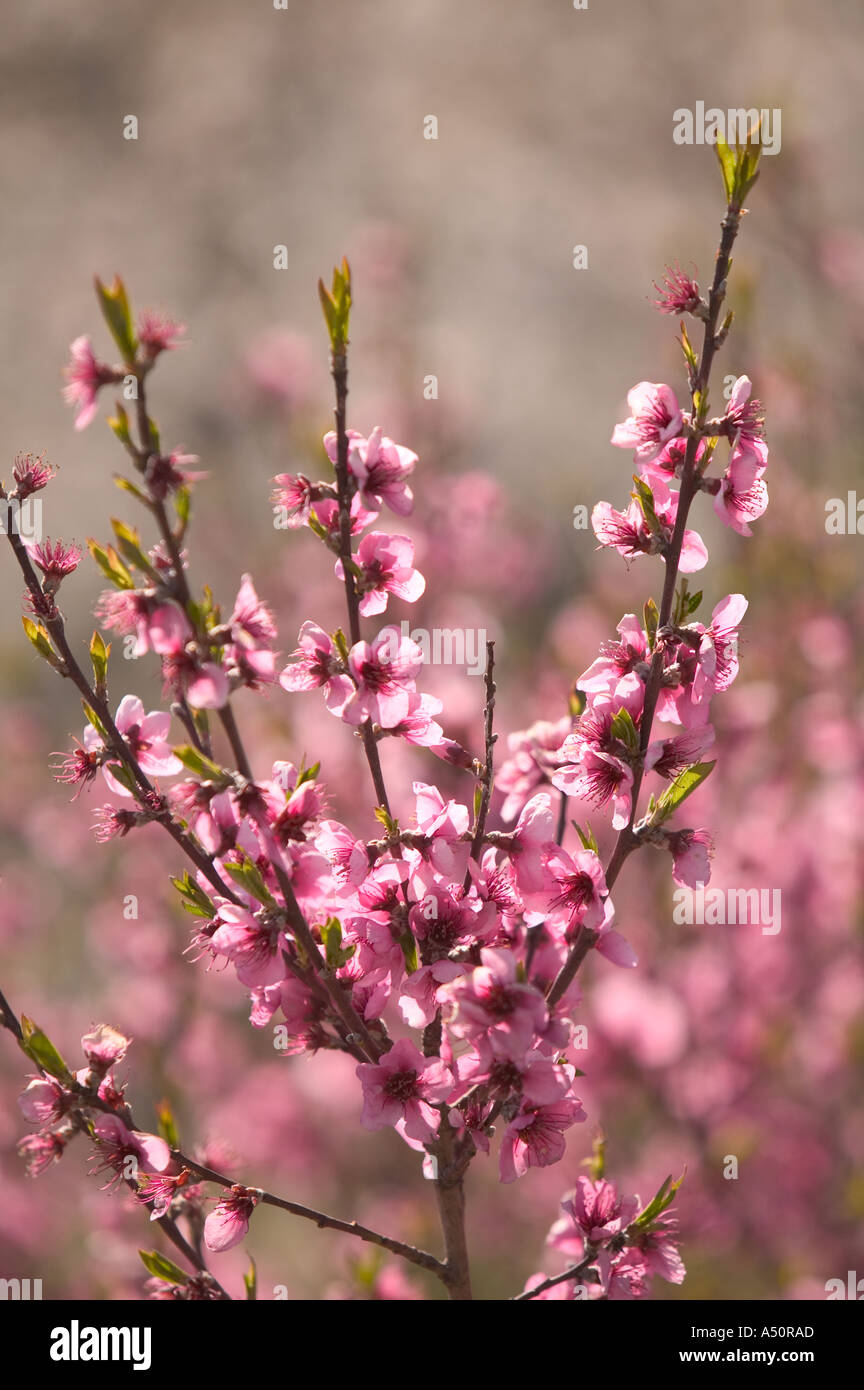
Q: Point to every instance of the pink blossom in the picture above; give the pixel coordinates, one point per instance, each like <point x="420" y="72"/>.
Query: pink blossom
<point x="43" y="1101"/>
<point x="56" y="560"/>
<point x="31" y="474"/>
<point x="252" y="623"/>
<point x="581" y="887"/>
<point x="158" y="333"/>
<point x="718" y="652"/>
<point x="228" y="1223"/>
<point x="39" y="1151"/>
<point x="629" y="533"/>
<point x="104" y="1047"/>
<point x="380" y="467"/>
<point x="534" y="755"/>
<point x="387" y="567"/>
<point x="402" y="1089"/>
<point x="744" y="420"/>
<point x="384" y="673"/>
<point x="315" y="663"/>
<point x="691" y="857"/>
<point x="118" y="1145"/>
<point x="678" y="293"/>
<point x="655" y="417"/>
<point x="85" y="375"/>
<point x="294" y="492"/>
<point x="535" y="1137"/>
<point x="743" y="496"/>
<point x="145" y="735"/>
<point x="251" y="943"/>
<point x="593" y="1212"/>
<point x="491" y="1001"/>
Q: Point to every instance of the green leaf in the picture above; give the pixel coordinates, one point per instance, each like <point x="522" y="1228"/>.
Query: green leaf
<point x="119" y="423"/>
<point x="308" y="774"/>
<point x="114" y="304"/>
<point x="194" y="898"/>
<point x="643" y="495"/>
<point x="167" y="1124"/>
<point x="662" y="1199"/>
<point x="340" y="642"/>
<point x="126" y="485"/>
<point x="687" y="348"/>
<point x="248" y="877"/>
<point x="586" y="836"/>
<point x="335" y="953"/>
<point x="42" y="1051"/>
<point x="678" y="791"/>
<point x="183" y="505"/>
<point x="129" y="545"/>
<point x="576" y="702"/>
<point x="623" y="728"/>
<point x="38" y="635"/>
<point x="336" y="306"/>
<point x="200" y="764"/>
<point x="111" y="565"/>
<point x="727" y="166"/>
<point x="650" y="621"/>
<point x="99" y="653"/>
<point x="409" y="950"/>
<point x="162" y="1267"/>
<point x="250" y="1279"/>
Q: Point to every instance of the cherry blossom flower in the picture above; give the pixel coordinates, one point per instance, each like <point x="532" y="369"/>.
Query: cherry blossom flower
<point x="492" y="1001"/>
<point x="315" y="663"/>
<point x="387" y="567"/>
<point x="380" y="467"/>
<point x="146" y="737"/>
<point x="384" y="674"/>
<point x="678" y="293"/>
<point x="655" y="418"/>
<point x="630" y="534"/>
<point x="743" y="495"/>
<point x="403" y="1089"/>
<point x="85" y="376"/>
<point x="228" y="1223"/>
<point x="535" y="1137"/>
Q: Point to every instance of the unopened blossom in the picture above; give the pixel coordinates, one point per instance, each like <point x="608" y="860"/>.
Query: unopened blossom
<point x="43" y="1101"/>
<point x="85" y="376"/>
<point x="691" y="856"/>
<point x="678" y="294"/>
<point x="403" y="1089"/>
<point x="655" y="417"/>
<point x="228" y="1223"/>
<point x="386" y="566"/>
<point x="380" y="467"/>
<point x="535" y="1137"/>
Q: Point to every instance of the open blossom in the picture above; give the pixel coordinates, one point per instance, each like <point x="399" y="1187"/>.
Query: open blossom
<point x="718" y="652"/>
<point x="56" y="560"/>
<point x="31" y="474"/>
<point x="743" y="495"/>
<point x="630" y="534"/>
<point x="678" y="294"/>
<point x="403" y="1089"/>
<point x="157" y="332"/>
<point x="146" y="737"/>
<point x="380" y="467"/>
<point x="535" y="1137"/>
<point x="39" y="1151"/>
<point x="104" y="1047"/>
<point x="125" y="1151"/>
<point x="251" y="944"/>
<point x="293" y="492"/>
<point x="315" y="663"/>
<point x="655" y="418"/>
<point x="534" y="754"/>
<point x="384" y="673"/>
<point x="252" y="623"/>
<point x="743" y="419"/>
<point x="387" y="567"/>
<point x="492" y="1001"/>
<point x="165" y="473"/>
<point x="593" y="1213"/>
<point x="85" y="375"/>
<point x="580" y="887"/>
<point x="228" y="1223"/>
